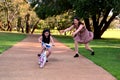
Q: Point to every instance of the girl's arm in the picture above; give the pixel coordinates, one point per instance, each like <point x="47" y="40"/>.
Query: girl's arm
<point x="68" y="29"/>
<point x="80" y="27"/>
<point x="40" y="39"/>
<point x="51" y="38"/>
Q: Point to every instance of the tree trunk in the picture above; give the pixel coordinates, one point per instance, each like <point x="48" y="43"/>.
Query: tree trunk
<point x="105" y="18"/>
<point x="96" y="28"/>
<point x="97" y="34"/>
<point x="87" y="23"/>
<point x="2" y="29"/>
<point x="35" y="26"/>
<point x="27" y="27"/>
<point x="9" y="26"/>
<point x="108" y="23"/>
<point x="18" y="24"/>
<point x="22" y="27"/>
<point x="1" y="26"/>
<point x="27" y="16"/>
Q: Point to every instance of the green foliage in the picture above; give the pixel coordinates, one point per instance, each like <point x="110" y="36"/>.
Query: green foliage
<point x="58" y="22"/>
<point x="82" y="8"/>
<point x="8" y="12"/>
<point x="95" y="12"/>
<point x="47" y="8"/>
<point x="87" y="8"/>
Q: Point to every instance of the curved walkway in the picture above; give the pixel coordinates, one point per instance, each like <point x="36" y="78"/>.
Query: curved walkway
<point x="20" y="63"/>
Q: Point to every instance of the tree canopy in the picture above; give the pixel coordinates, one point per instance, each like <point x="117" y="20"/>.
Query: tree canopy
<point x="13" y="15"/>
<point x="47" y="8"/>
<point x="95" y="13"/>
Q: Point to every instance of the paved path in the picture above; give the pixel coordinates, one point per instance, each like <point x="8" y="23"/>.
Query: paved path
<point x="20" y="63"/>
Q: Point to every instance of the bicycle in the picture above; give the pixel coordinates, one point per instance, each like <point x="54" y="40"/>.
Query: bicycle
<point x="43" y="55"/>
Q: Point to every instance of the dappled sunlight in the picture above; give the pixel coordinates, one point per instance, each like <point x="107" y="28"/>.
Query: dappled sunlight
<point x="111" y="34"/>
<point x="104" y="46"/>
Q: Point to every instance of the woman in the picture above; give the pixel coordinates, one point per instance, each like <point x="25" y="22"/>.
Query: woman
<point x="80" y="35"/>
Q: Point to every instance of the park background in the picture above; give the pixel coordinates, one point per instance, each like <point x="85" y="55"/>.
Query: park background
<point x="19" y="18"/>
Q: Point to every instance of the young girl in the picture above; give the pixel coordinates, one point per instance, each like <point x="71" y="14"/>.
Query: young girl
<point x="81" y="35"/>
<point x="46" y="38"/>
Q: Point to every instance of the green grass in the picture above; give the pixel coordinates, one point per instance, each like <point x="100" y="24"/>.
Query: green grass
<point x="7" y="40"/>
<point x="107" y="51"/>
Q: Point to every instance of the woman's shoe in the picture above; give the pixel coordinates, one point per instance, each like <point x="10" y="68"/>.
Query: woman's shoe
<point x="92" y="53"/>
<point x="76" y="55"/>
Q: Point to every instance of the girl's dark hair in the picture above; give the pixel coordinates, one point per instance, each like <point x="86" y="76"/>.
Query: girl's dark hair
<point x="44" y="39"/>
<point x="78" y="20"/>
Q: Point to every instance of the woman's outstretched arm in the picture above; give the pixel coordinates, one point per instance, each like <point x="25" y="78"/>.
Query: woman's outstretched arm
<point x="68" y="29"/>
<point x="78" y="30"/>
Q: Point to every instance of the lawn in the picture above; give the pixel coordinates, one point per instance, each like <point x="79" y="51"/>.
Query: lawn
<point x="107" y="51"/>
<point x="9" y="39"/>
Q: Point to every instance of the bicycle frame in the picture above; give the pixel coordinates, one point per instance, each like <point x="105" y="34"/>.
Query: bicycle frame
<point x="43" y="56"/>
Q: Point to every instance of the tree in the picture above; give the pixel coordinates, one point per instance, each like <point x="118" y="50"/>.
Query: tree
<point x="48" y="8"/>
<point x="96" y="11"/>
<point x="27" y="18"/>
<point x="1" y="28"/>
<point x="34" y="26"/>
<point x="19" y="25"/>
<point x="10" y="11"/>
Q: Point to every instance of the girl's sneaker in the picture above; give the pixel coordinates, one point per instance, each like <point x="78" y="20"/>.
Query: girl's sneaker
<point x="38" y="55"/>
<point x="46" y="60"/>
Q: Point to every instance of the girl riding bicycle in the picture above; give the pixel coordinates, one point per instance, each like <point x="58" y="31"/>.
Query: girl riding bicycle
<point x="46" y="38"/>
